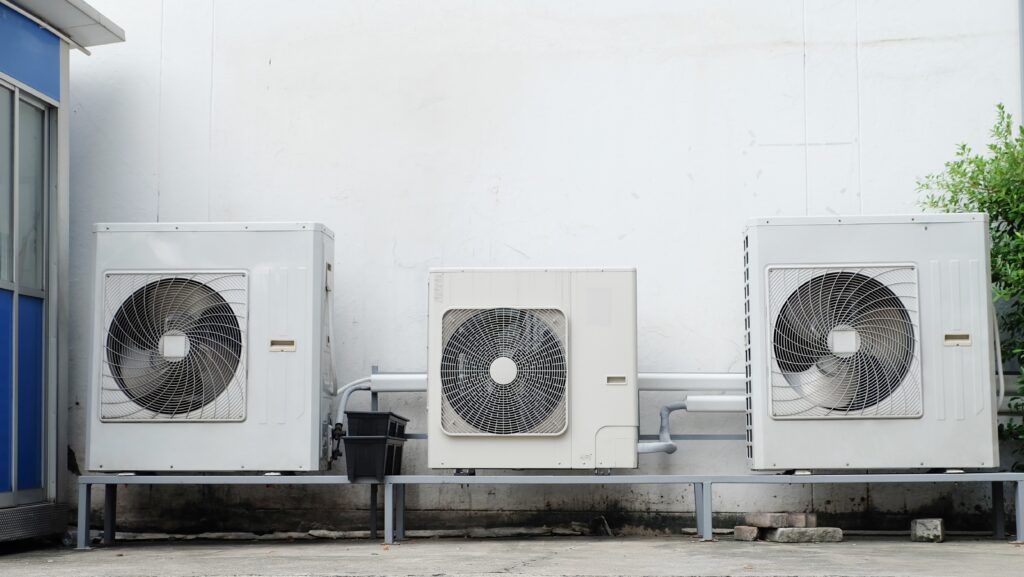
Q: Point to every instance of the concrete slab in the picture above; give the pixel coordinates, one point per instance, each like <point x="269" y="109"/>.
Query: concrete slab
<point x="592" y="556"/>
<point x="802" y="520"/>
<point x="745" y="533"/>
<point x="804" y="535"/>
<point x="927" y="530"/>
<point x="767" y="520"/>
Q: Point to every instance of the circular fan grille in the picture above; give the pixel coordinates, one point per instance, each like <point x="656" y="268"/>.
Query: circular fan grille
<point x="844" y="341"/>
<point x="174" y="346"/>
<point x="503" y="372"/>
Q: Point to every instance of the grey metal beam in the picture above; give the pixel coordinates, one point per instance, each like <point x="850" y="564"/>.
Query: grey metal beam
<point x="400" y="514"/>
<point x="698" y="506"/>
<point x="706" y="533"/>
<point x="748" y="479"/>
<point x="83" y="515"/>
<point x="389" y="513"/>
<point x="568" y="479"/>
<point x="1019" y="510"/>
<point x="109" y="513"/>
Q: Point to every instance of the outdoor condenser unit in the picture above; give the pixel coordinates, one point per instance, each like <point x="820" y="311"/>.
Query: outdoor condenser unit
<point x="211" y="347"/>
<point x="532" y="369"/>
<point x="870" y="343"/>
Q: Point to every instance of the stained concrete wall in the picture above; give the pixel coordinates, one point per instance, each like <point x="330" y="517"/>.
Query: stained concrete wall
<point x="527" y="134"/>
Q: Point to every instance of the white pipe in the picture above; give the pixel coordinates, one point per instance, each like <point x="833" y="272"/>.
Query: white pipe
<point x="706" y="382"/>
<point x="664" y="444"/>
<point x="691" y="382"/>
<point x="398" y="382"/>
<point x="716" y="404"/>
<point x="346" y="392"/>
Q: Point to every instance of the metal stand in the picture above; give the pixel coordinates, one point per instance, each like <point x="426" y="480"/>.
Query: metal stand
<point x="702" y="487"/>
<point x="394" y="490"/>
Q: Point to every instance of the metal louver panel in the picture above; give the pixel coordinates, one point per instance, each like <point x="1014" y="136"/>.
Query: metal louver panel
<point x="504" y="371"/>
<point x="844" y="342"/>
<point x="174" y="347"/>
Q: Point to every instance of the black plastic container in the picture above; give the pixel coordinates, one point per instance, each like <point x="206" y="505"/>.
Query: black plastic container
<point x="375" y="424"/>
<point x="373" y="457"/>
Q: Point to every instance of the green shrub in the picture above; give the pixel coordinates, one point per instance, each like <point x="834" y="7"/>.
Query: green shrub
<point x="993" y="182"/>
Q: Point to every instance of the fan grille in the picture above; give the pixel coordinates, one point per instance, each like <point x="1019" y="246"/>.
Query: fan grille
<point x="503" y="372"/>
<point x="174" y="347"/>
<point x="844" y="342"/>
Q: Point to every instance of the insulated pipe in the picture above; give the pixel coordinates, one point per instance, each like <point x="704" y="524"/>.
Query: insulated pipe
<point x="664" y="444"/>
<point x="716" y="404"/>
<point x="692" y="404"/>
<point x="398" y="382"/>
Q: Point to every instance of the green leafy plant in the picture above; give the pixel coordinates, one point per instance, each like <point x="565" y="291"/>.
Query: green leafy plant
<point x="993" y="182"/>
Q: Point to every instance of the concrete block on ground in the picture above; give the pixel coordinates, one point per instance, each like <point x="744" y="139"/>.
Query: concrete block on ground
<point x="767" y="520"/>
<point x="804" y="535"/>
<point x="927" y="530"/>
<point x="802" y="520"/>
<point x="745" y="533"/>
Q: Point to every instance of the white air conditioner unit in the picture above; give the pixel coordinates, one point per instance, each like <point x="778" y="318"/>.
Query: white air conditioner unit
<point x="870" y="343"/>
<point x="211" y="347"/>
<point x="532" y="369"/>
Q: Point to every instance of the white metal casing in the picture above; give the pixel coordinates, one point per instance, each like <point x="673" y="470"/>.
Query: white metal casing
<point x="599" y="306"/>
<point x="955" y="426"/>
<point x="289" y="271"/>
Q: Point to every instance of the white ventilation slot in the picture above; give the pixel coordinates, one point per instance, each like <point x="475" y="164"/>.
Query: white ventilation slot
<point x="174" y="347"/>
<point x="504" y="371"/>
<point x="844" y="342"/>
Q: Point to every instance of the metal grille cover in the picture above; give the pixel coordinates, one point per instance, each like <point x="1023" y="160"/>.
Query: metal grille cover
<point x="29" y="521"/>
<point x="844" y="342"/>
<point x="504" y="371"/>
<point x="174" y="347"/>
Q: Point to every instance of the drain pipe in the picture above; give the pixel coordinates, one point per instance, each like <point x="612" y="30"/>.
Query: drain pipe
<point x="664" y="444"/>
<point x="692" y="404"/>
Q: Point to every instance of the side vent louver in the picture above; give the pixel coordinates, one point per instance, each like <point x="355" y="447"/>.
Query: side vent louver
<point x="746" y="344"/>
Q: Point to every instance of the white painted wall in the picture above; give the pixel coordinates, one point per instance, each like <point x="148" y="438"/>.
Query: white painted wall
<point x="530" y="133"/>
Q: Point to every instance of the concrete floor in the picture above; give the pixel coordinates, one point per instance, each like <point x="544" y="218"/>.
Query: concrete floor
<point x="588" y="556"/>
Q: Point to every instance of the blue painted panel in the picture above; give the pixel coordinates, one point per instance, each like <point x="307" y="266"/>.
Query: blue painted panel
<point x="6" y="391"/>
<point x="29" y="53"/>
<point x="30" y="392"/>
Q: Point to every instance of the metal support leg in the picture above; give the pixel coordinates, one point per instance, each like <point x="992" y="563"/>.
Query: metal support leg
<point x="83" y="515"/>
<point x="698" y="505"/>
<point x="373" y="511"/>
<point x="389" y="513"/>
<point x="705" y="513"/>
<point x="1018" y="505"/>
<point x="109" y="513"/>
<point x="998" y="511"/>
<point x="400" y="514"/>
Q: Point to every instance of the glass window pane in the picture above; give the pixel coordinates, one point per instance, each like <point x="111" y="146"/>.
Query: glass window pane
<point x="31" y="188"/>
<point x="6" y="181"/>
